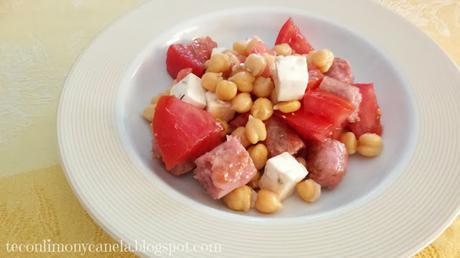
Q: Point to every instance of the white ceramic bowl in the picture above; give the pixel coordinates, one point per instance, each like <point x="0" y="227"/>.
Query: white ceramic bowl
<point x="392" y="205"/>
<point x="147" y="77"/>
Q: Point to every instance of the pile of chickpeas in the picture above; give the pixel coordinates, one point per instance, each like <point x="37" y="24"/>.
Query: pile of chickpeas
<point x="243" y="85"/>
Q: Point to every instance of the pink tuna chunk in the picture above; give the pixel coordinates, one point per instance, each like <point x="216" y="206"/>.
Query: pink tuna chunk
<point x="226" y="167"/>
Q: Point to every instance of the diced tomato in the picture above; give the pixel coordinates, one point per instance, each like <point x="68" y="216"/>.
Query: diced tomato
<point x="369" y="112"/>
<point x="193" y="55"/>
<point x="239" y="120"/>
<point x="327" y="105"/>
<point x="181" y="74"/>
<point x="291" y="35"/>
<point x="183" y="132"/>
<point x="309" y="126"/>
<point x="315" y="76"/>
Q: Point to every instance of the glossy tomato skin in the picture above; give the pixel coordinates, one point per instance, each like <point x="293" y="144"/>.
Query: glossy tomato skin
<point x="309" y="126"/>
<point x="369" y="112"/>
<point x="183" y="132"/>
<point x="327" y="105"/>
<point x="193" y="55"/>
<point x="290" y="34"/>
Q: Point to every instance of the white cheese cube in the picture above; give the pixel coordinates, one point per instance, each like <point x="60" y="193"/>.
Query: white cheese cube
<point x="189" y="90"/>
<point x="218" y="50"/>
<point x="281" y="175"/>
<point x="291" y="77"/>
<point x="218" y="108"/>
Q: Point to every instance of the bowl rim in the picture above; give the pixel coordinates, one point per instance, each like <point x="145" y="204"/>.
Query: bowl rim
<point x="65" y="150"/>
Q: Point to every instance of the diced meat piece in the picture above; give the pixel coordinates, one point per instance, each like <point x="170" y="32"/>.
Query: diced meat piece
<point x="281" y="138"/>
<point x="239" y="120"/>
<point x="349" y="92"/>
<point x="341" y="70"/>
<point x="369" y="112"/>
<point x="327" y="163"/>
<point x="315" y="76"/>
<point x="226" y="167"/>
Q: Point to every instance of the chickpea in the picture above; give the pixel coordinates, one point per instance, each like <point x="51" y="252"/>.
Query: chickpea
<point x="253" y="198"/>
<point x="283" y="49"/>
<point x="270" y="59"/>
<point x="263" y="87"/>
<point x="370" y="145"/>
<point x="349" y="139"/>
<point x="255" y="130"/>
<point x="301" y="161"/>
<point x="209" y="80"/>
<point x="288" y="106"/>
<point x="308" y="190"/>
<point x="240" y="48"/>
<point x="218" y="63"/>
<point x="242" y="103"/>
<point x="239" y="199"/>
<point x="252" y="43"/>
<point x="244" y="80"/>
<point x="255" y="64"/>
<point x="240" y="134"/>
<point x="254" y="183"/>
<point x="267" y="201"/>
<point x="273" y="96"/>
<point x="149" y="112"/>
<point x="262" y="109"/>
<point x="322" y="59"/>
<point x="259" y="155"/>
<point x="226" y="90"/>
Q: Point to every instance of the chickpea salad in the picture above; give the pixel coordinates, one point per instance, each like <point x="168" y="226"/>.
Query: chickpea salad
<point x="255" y="123"/>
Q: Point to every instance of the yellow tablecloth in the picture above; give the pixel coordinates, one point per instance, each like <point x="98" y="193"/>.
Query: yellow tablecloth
<point x="39" y="41"/>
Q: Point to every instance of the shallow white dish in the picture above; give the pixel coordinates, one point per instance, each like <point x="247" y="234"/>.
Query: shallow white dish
<point x="389" y="206"/>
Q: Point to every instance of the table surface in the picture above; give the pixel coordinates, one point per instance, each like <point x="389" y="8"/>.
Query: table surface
<point x="39" y="42"/>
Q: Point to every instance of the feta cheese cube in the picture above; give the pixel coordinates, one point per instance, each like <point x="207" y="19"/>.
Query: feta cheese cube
<point x="218" y="108"/>
<point x="281" y="175"/>
<point x="291" y="77"/>
<point x="189" y="90"/>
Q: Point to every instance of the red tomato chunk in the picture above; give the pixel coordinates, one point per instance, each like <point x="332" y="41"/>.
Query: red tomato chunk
<point x="369" y="112"/>
<point x="225" y="168"/>
<point x="309" y="126"/>
<point x="183" y="132"/>
<point x="291" y="35"/>
<point x="193" y="55"/>
<point x="327" y="105"/>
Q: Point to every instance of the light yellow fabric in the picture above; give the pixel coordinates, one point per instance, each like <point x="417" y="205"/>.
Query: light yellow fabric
<point x="39" y="41"/>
